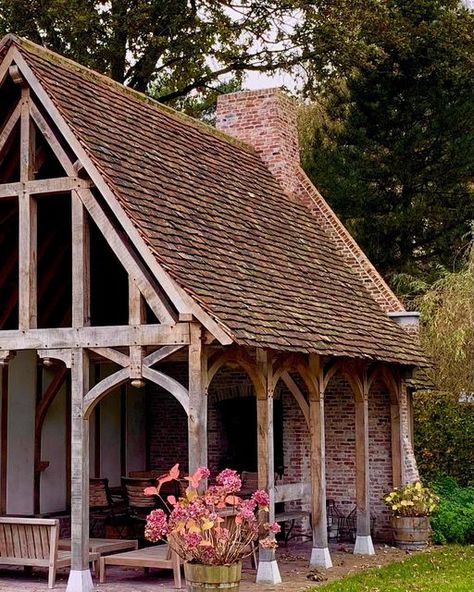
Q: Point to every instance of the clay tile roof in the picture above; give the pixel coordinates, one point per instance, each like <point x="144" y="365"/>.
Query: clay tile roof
<point x="219" y="223"/>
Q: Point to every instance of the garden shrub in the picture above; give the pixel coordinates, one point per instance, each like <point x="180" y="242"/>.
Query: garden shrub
<point x="453" y="521"/>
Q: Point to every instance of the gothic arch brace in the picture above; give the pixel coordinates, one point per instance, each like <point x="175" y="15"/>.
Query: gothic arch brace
<point x="102" y="388"/>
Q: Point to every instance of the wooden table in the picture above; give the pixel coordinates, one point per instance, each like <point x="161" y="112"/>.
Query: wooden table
<point x="103" y="546"/>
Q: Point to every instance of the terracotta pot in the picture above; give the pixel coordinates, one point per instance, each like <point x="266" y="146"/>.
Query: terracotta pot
<point x="411" y="532"/>
<point x="204" y="578"/>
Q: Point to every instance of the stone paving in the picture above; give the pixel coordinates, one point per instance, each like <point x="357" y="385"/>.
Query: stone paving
<point x="293" y="562"/>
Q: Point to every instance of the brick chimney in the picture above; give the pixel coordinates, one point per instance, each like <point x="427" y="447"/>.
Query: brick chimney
<point x="267" y="120"/>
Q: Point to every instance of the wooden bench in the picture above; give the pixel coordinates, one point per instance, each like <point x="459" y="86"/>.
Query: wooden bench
<point x="160" y="556"/>
<point x="289" y="493"/>
<point x="33" y="542"/>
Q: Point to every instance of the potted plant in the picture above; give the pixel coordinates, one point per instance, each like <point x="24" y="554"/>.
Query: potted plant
<point x="211" y="528"/>
<point x="411" y="505"/>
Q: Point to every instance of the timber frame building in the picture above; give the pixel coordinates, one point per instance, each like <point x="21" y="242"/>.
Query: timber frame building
<point x="152" y="262"/>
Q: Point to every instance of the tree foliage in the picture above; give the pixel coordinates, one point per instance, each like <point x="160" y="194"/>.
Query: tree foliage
<point x="392" y="146"/>
<point x="444" y="425"/>
<point x="179" y="46"/>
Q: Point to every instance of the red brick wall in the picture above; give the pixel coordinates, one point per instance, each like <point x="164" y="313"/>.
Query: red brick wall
<point x="168" y="437"/>
<point x="380" y="459"/>
<point x="340" y="444"/>
<point x="167" y="424"/>
<point x="340" y="449"/>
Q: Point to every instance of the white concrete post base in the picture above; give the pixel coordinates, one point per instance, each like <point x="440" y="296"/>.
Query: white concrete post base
<point x="80" y="581"/>
<point x="364" y="545"/>
<point x="320" y="557"/>
<point x="268" y="572"/>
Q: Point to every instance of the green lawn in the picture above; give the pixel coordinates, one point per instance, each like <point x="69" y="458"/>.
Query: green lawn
<point x="447" y="569"/>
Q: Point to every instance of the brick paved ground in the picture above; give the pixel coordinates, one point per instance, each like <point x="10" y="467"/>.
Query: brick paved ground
<point x="293" y="565"/>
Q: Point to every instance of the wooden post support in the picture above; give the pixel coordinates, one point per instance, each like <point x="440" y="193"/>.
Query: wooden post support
<point x="268" y="571"/>
<point x="396" y="444"/>
<point x="80" y="263"/>
<point x="320" y="556"/>
<point x="363" y="544"/>
<point x="197" y="417"/>
<point x="80" y="579"/>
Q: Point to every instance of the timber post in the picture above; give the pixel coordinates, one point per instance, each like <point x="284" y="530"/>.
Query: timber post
<point x="320" y="556"/>
<point x="268" y="571"/>
<point x="197" y="416"/>
<point x="80" y="579"/>
<point x="363" y="544"/>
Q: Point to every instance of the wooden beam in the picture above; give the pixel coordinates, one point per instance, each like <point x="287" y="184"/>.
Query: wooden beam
<point x="320" y="556"/>
<point x="43" y="186"/>
<point x="27" y="137"/>
<point x="27" y="249"/>
<point x="81" y="314"/>
<point x="103" y="388"/>
<point x="6" y="63"/>
<point x="8" y="127"/>
<point x="3" y="439"/>
<point x="52" y="140"/>
<point x="363" y="543"/>
<point x="176" y="389"/>
<point x="182" y="301"/>
<point x="395" y="426"/>
<point x="297" y="394"/>
<point x="290" y="492"/>
<point x="161" y="354"/>
<point x="113" y="355"/>
<point x="267" y="570"/>
<point x="111" y="336"/>
<point x="79" y="474"/>
<point x="136" y="316"/>
<point x="197" y="416"/>
<point x="128" y="259"/>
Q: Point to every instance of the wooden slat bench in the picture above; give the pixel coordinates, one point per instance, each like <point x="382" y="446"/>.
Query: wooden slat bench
<point x="288" y="493"/>
<point x="33" y="542"/>
<point x="160" y="557"/>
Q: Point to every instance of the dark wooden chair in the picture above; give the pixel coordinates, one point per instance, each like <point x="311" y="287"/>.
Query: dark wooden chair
<point x="139" y="505"/>
<point x="103" y="510"/>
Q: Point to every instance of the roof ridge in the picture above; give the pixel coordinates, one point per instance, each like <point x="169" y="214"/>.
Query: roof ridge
<point x="33" y="47"/>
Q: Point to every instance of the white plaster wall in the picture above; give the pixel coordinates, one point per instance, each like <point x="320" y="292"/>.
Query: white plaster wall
<point x="21" y="433"/>
<point x="110" y="435"/>
<point x="53" y="449"/>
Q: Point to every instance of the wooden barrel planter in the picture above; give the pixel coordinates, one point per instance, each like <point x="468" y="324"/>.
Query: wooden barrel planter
<point x="410" y="532"/>
<point x="204" y="578"/>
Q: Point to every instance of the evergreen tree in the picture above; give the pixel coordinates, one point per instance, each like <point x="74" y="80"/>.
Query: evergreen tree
<point x="392" y="146"/>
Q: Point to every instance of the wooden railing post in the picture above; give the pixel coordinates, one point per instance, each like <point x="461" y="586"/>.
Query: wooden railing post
<point x="363" y="544"/>
<point x="80" y="579"/>
<point x="320" y="556"/>
<point x="197" y="417"/>
<point x="268" y="571"/>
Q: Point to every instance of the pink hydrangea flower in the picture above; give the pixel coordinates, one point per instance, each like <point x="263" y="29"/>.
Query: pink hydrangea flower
<point x="192" y="539"/>
<point x="230" y="480"/>
<point x="268" y="543"/>
<point x="273" y="527"/>
<point x="261" y="498"/>
<point x="156" y="526"/>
